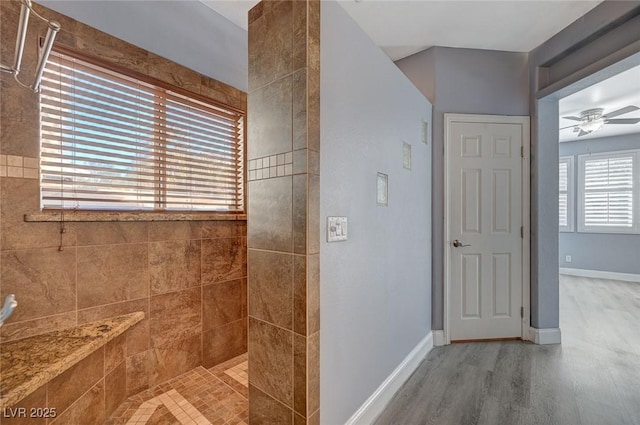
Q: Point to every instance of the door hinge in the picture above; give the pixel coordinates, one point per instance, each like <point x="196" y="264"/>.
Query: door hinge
<point x="521" y="232"/>
<point x="521" y="151"/>
<point x="522" y="312"/>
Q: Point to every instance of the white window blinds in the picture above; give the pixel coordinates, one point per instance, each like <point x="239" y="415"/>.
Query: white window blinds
<point x="609" y="192"/>
<point x="112" y="142"/>
<point x="565" y="194"/>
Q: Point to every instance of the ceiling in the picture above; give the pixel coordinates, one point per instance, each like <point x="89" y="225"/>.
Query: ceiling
<point x="402" y="27"/>
<point x="611" y="94"/>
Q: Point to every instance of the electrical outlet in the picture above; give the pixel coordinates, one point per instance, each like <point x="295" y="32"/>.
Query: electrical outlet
<point x="567" y="258"/>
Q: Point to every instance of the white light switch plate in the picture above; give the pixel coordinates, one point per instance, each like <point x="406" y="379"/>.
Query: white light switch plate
<point x="336" y="229"/>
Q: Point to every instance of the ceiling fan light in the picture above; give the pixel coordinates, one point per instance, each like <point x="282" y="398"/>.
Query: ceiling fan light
<point x="591" y="126"/>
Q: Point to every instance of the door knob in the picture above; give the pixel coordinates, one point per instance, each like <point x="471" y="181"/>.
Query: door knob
<point x="458" y="244"/>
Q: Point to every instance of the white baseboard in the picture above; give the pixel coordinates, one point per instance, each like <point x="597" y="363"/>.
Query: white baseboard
<point x="599" y="274"/>
<point x="375" y="404"/>
<point x="545" y="336"/>
<point x="438" y="338"/>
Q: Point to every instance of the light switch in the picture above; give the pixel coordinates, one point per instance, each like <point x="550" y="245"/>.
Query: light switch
<point x="336" y="229"/>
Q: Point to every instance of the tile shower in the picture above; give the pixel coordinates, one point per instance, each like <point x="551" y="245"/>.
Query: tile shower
<point x="188" y="277"/>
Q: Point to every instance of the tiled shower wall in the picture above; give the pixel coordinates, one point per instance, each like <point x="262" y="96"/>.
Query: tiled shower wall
<point x="188" y="277"/>
<point x="283" y="206"/>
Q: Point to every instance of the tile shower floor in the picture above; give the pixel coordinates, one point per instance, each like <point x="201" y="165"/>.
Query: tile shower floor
<point x="215" y="396"/>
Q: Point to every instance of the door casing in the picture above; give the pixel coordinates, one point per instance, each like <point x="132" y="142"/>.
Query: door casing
<point x="524" y="122"/>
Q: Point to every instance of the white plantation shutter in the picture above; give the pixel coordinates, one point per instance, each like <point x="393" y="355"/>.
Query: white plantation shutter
<point x="565" y="194"/>
<point x="112" y="142"/>
<point x="609" y="193"/>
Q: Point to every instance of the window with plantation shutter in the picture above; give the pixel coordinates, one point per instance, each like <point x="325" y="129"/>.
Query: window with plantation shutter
<point x="609" y="192"/>
<point x="110" y="141"/>
<point x="565" y="194"/>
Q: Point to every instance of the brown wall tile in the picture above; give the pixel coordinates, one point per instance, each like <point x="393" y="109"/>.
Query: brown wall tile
<point x="107" y="233"/>
<point x="174" y="230"/>
<point x="37" y="399"/>
<point x="174" y="316"/>
<point x="269" y="123"/>
<point x="15" y="138"/>
<point x="223" y="229"/>
<point x="175" y="358"/>
<point x="112" y="273"/>
<point x="300" y="374"/>
<point x="174" y="265"/>
<point x="223" y="259"/>
<point x="115" y="352"/>
<point x="224" y="343"/>
<point x="299" y="34"/>
<point x="175" y="74"/>
<point x="313" y="215"/>
<point x="65" y="389"/>
<point x="265" y="410"/>
<point x="270" y="211"/>
<point x="271" y="287"/>
<point x="313" y="372"/>
<point x="115" y="388"/>
<point x="223" y="93"/>
<point x="271" y="45"/>
<point x="314" y="419"/>
<point x="138" y="372"/>
<point x="300" y="212"/>
<point x="43" y="281"/>
<point x="300" y="108"/>
<point x="88" y="410"/>
<point x="19" y="196"/>
<point x="21" y="235"/>
<point x="223" y="303"/>
<point x="271" y="360"/>
<point x="17" y="330"/>
<point x="300" y="294"/>
<point x="313" y="293"/>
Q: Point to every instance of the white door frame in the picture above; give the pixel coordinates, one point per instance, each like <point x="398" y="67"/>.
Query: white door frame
<point x="524" y="121"/>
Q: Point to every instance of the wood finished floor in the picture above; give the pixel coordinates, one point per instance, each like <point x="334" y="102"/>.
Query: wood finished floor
<point x="593" y="378"/>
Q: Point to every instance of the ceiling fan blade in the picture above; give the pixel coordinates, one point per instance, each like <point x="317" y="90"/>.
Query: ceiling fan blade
<point x="583" y="133"/>
<point x="571" y="126"/>
<point x="623" y="121"/>
<point x="622" y="111"/>
<point x="573" y="118"/>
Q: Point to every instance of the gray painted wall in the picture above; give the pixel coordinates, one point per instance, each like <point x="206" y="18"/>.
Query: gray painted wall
<point x="465" y="81"/>
<point x="604" y="41"/>
<point x="186" y="32"/>
<point x="599" y="251"/>
<point x="375" y="287"/>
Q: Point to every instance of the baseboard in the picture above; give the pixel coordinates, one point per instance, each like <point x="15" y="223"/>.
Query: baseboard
<point x="599" y="274"/>
<point x="438" y="338"/>
<point x="375" y="404"/>
<point x="545" y="336"/>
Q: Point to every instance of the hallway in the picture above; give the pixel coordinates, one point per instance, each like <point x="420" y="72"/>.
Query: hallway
<point x="591" y="379"/>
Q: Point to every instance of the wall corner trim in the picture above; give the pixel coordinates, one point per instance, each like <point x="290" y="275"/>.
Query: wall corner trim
<point x="545" y="336"/>
<point x="375" y="404"/>
<point x="438" y="338"/>
<point x="601" y="274"/>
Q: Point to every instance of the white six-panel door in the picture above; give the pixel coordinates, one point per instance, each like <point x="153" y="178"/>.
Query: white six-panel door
<point x="484" y="240"/>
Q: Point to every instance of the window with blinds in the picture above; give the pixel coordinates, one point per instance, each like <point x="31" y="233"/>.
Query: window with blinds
<point x="609" y="195"/>
<point x="565" y="193"/>
<point x="113" y="142"/>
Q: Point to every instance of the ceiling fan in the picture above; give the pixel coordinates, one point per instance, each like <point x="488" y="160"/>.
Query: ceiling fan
<point x="592" y="119"/>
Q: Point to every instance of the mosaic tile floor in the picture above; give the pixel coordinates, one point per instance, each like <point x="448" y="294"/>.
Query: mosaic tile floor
<point x="217" y="396"/>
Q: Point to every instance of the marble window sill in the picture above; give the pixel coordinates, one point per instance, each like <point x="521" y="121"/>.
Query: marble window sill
<point x="71" y="216"/>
